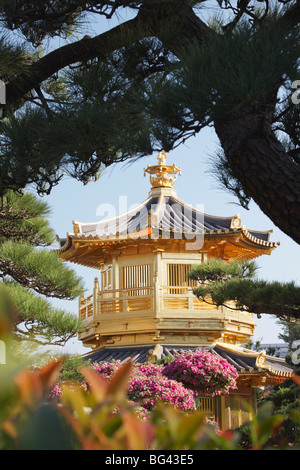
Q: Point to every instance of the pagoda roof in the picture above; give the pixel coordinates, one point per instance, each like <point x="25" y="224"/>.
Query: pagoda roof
<point x="166" y="214"/>
<point x="163" y="215"/>
<point x="244" y="360"/>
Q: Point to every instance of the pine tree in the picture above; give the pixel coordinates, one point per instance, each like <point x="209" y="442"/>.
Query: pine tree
<point x="32" y="273"/>
<point x="290" y="333"/>
<point x="150" y="83"/>
<point x="221" y="282"/>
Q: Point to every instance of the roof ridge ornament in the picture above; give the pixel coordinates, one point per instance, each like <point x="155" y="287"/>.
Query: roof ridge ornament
<point x="236" y="221"/>
<point x="162" y="172"/>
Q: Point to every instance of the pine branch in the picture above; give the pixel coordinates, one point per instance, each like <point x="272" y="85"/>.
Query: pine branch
<point x="222" y="283"/>
<point x="80" y="51"/>
<point x="237" y="91"/>
<point x="22" y="219"/>
<point x="242" y="8"/>
<point x="41" y="270"/>
<point x="153" y="19"/>
<point x="22" y="227"/>
<point x="36" y="319"/>
<point x="218" y="270"/>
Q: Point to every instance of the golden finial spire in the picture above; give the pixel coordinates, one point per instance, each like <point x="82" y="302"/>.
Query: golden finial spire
<point x="162" y="172"/>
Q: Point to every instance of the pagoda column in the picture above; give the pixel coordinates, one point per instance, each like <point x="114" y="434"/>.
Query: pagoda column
<point x="96" y="291"/>
<point x="115" y="273"/>
<point x="157" y="281"/>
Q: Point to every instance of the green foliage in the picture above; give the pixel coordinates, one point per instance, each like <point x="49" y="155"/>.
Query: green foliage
<point x="28" y="267"/>
<point x="289" y="332"/>
<point x="149" y="84"/>
<point x="38" y="319"/>
<point x="216" y="269"/>
<point x="49" y="18"/>
<point x="264" y="431"/>
<point x="165" y="360"/>
<point x="252" y="59"/>
<point x="14" y="57"/>
<point x="70" y="369"/>
<point x="56" y="281"/>
<point x="57" y="434"/>
<point x="224" y="175"/>
<point x="102" y="419"/>
<point x="254" y="346"/>
<point x="285" y="399"/>
<point x="222" y="282"/>
<point x="138" y="90"/>
<point x="23" y="218"/>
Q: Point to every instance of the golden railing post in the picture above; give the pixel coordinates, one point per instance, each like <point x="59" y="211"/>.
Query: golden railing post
<point x="190" y="298"/>
<point x="125" y="300"/>
<point x="157" y="293"/>
<point x="80" y="308"/>
<point x="96" y="290"/>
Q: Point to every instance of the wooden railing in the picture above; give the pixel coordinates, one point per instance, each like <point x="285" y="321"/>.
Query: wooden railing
<point x="136" y="299"/>
<point x="86" y="307"/>
<point x="208" y="406"/>
<point x="115" y="301"/>
<point x="176" y="298"/>
<point x="124" y="300"/>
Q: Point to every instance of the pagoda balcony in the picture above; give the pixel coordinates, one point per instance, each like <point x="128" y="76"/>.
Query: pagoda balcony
<point x="182" y="298"/>
<point x="137" y="299"/>
<point x="145" y="314"/>
<point x="157" y="299"/>
<point x="114" y="301"/>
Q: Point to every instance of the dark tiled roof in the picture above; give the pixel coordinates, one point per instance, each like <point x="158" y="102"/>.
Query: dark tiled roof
<point x="120" y="354"/>
<point x="265" y="236"/>
<point x="274" y="363"/>
<point x="164" y="217"/>
<point x="243" y="361"/>
<point x="165" y="213"/>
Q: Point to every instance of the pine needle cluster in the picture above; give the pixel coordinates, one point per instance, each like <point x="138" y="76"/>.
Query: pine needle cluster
<point x="148" y="84"/>
<point x="222" y="282"/>
<point x="32" y="273"/>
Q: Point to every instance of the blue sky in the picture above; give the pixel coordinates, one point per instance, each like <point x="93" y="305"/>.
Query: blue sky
<point x="70" y="200"/>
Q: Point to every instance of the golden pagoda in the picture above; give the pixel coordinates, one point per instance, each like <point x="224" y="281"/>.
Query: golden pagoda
<point x="142" y="306"/>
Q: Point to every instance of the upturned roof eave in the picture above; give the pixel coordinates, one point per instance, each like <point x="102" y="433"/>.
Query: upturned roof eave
<point x="154" y="233"/>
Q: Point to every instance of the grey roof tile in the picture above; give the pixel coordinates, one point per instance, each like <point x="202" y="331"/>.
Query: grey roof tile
<point x="242" y="362"/>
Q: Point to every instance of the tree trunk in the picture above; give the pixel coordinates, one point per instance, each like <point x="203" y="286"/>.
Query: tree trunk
<point x="266" y="173"/>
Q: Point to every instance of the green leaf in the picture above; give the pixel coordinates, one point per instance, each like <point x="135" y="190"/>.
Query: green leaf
<point x="46" y="429"/>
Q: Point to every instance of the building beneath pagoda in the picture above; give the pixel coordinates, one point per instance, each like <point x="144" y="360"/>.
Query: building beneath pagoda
<point x="142" y="306"/>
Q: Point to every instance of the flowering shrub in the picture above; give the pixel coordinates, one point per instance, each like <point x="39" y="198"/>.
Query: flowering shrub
<point x="56" y="391"/>
<point x="148" y="369"/>
<point x="139" y="410"/>
<point x="202" y="372"/>
<point x="148" y="386"/>
<point x="106" y="369"/>
<point x="175" y="383"/>
<point x="28" y="421"/>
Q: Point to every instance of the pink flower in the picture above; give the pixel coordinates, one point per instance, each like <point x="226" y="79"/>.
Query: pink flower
<point x="202" y="372"/>
<point x="106" y="369"/>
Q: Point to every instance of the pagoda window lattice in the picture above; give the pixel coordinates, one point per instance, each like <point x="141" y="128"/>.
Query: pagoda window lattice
<point x="177" y="276"/>
<point x="136" y="278"/>
<point x="106" y="279"/>
<point x="238" y="410"/>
